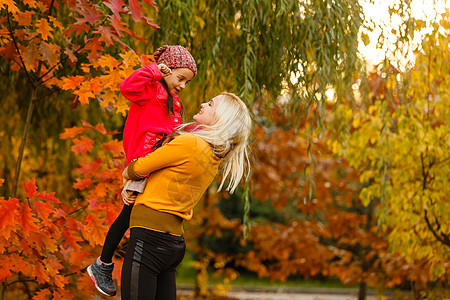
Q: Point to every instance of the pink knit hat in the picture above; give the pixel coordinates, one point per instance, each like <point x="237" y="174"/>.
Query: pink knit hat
<point x="175" y="57"/>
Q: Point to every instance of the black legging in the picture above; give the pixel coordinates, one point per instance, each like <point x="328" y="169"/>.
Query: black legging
<point x="150" y="264"/>
<point x="115" y="233"/>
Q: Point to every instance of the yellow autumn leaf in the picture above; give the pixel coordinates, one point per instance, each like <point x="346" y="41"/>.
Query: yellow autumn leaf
<point x="122" y="105"/>
<point x="356" y="122"/>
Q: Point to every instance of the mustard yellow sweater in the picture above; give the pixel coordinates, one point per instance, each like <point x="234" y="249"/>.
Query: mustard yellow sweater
<point x="180" y="172"/>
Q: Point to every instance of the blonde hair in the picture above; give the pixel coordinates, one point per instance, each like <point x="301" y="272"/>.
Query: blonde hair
<point x="228" y="134"/>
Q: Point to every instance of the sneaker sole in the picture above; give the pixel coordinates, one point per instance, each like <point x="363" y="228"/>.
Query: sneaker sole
<point x="95" y="282"/>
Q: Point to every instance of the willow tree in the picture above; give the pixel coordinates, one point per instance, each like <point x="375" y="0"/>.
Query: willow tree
<point x="261" y="49"/>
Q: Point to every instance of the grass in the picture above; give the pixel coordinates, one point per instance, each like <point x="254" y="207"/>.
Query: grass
<point x="186" y="275"/>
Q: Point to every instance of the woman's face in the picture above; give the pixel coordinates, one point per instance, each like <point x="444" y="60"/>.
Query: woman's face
<point x="176" y="82"/>
<point x="208" y="111"/>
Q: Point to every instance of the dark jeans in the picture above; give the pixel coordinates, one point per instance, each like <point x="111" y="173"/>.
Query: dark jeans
<point x="115" y="233"/>
<point x="150" y="263"/>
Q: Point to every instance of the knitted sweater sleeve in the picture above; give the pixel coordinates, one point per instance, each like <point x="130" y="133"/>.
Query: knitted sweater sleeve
<point x="174" y="153"/>
<point x="136" y="87"/>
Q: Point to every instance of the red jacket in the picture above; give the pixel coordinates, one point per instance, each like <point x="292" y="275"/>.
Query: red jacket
<point x="148" y="113"/>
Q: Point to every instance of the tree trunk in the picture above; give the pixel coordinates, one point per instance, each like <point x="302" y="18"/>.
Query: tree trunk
<point x="200" y="288"/>
<point x="2" y="291"/>
<point x="365" y="264"/>
<point x="22" y="144"/>
<point x="362" y="290"/>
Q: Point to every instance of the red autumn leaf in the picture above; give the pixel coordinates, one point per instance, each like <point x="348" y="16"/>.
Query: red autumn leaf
<point x="7" y="212"/>
<point x="8" y="51"/>
<point x="71" y="239"/>
<point x="86" y="124"/>
<point x="93" y="204"/>
<point x="59" y="213"/>
<point x="82" y="184"/>
<point x="43" y="210"/>
<point x="20" y="264"/>
<point x="100" y="191"/>
<point x="94" y="230"/>
<point x="5" y="267"/>
<point x="71" y="132"/>
<point x="111" y="212"/>
<point x="96" y="86"/>
<point x="89" y="168"/>
<point x="151" y="3"/>
<point x="107" y="35"/>
<point x="41" y="273"/>
<point x="49" y="197"/>
<point x="42" y="295"/>
<point x="136" y="10"/>
<point x="30" y="188"/>
<point x="82" y="145"/>
<point x="118" y="25"/>
<point x="148" y="21"/>
<point x="88" y="11"/>
<point x="50" y="52"/>
<point x="26" y="220"/>
<point x="112" y="132"/>
<point x="100" y="128"/>
<point x="116" y="7"/>
<point x="94" y="47"/>
<point x="114" y="146"/>
<point x="70" y="55"/>
<point x="77" y="29"/>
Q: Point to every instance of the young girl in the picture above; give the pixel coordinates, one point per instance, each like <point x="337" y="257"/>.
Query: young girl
<point x="155" y="111"/>
<point x="180" y="172"/>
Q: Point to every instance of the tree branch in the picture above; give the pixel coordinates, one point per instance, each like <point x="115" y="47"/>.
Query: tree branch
<point x="22" y="143"/>
<point x="71" y="213"/>
<point x="444" y="239"/>
<point x="17" y="48"/>
<point x="66" y="57"/>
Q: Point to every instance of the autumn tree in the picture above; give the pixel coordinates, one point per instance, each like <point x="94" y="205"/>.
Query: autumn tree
<point x="54" y="53"/>
<point x="333" y="235"/>
<point x="47" y="243"/>
<point x="65" y="48"/>
<point x="398" y="140"/>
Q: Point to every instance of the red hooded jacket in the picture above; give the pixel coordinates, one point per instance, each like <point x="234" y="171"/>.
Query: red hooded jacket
<point x="148" y="114"/>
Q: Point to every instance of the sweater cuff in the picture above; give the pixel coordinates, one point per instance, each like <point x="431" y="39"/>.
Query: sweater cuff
<point x="130" y="171"/>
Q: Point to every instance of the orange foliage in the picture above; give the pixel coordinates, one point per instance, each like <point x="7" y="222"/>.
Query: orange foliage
<point x="50" y="243"/>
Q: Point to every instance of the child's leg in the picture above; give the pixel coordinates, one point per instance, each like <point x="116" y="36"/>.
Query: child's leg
<point x="115" y="234"/>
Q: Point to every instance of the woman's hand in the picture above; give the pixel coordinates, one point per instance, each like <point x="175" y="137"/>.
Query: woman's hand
<point x="127" y="196"/>
<point x="165" y="70"/>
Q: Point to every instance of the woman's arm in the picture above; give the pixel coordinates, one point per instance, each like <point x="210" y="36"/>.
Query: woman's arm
<point x="171" y="154"/>
<point x="134" y="87"/>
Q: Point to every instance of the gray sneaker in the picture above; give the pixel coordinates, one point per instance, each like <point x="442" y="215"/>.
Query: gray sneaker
<point x="101" y="275"/>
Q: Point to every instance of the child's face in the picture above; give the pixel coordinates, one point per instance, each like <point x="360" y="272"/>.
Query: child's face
<point x="178" y="79"/>
<point x="208" y="111"/>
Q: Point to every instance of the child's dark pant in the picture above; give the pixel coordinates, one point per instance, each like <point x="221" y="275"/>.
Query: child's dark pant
<point x="115" y="234"/>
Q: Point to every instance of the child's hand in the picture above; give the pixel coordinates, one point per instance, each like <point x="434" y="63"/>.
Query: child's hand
<point x="165" y="70"/>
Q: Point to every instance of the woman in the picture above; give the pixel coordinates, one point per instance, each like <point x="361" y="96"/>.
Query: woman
<point x="180" y="172"/>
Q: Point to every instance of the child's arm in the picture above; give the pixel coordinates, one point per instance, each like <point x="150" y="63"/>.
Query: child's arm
<point x="135" y="87"/>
